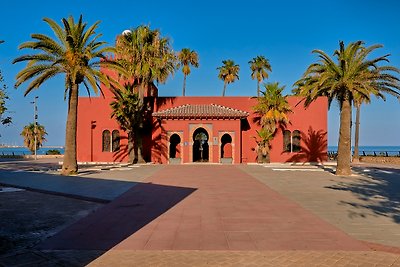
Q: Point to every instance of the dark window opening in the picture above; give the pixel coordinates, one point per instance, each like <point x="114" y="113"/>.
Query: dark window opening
<point x="115" y="140"/>
<point x="106" y="141"/>
<point x="296" y="141"/>
<point x="287" y="144"/>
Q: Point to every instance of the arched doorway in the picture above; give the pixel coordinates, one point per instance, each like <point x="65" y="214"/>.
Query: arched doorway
<point x="174" y="151"/>
<point x="226" y="149"/>
<point x="226" y="146"/>
<point x="200" y="145"/>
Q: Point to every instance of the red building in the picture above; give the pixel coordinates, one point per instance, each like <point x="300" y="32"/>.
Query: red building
<point x="201" y="129"/>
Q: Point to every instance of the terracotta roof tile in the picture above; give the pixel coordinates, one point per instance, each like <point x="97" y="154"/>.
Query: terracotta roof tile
<point x="200" y="111"/>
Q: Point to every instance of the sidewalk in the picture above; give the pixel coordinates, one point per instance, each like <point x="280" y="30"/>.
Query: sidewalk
<point x="90" y="184"/>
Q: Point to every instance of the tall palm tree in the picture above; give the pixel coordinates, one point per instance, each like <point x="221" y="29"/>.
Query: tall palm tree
<point x="228" y="72"/>
<point x="128" y="110"/>
<point x="148" y="59"/>
<point x="186" y="58"/>
<point x="358" y="101"/>
<point x="259" y="67"/>
<point x="272" y="110"/>
<point x="351" y="76"/>
<point x="3" y="99"/>
<point x="76" y="53"/>
<point x="28" y="133"/>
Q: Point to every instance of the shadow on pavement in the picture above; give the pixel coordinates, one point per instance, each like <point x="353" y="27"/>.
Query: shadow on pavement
<point x="91" y="189"/>
<point x="108" y="226"/>
<point x="377" y="188"/>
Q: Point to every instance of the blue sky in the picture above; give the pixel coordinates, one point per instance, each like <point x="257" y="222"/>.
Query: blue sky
<point x="285" y="32"/>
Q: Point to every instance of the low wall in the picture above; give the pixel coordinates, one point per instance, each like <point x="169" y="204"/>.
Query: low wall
<point x="31" y="156"/>
<point x="378" y="159"/>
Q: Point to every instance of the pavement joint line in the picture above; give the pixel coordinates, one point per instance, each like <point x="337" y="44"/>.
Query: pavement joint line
<point x="292" y="169"/>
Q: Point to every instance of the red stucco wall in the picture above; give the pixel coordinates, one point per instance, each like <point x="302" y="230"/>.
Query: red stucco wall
<point x="312" y="122"/>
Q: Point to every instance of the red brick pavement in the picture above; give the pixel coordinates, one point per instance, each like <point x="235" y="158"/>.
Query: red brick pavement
<point x="203" y="207"/>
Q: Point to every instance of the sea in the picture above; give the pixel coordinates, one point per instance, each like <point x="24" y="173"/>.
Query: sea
<point x="367" y="150"/>
<point x="373" y="150"/>
<point x="18" y="151"/>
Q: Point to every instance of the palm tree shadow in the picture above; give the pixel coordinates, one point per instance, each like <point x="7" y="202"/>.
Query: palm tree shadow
<point x="376" y="191"/>
<point x="313" y="147"/>
<point x="153" y="145"/>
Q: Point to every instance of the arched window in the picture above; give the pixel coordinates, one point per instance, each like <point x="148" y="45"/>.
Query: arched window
<point x="296" y="141"/>
<point x="115" y="140"/>
<point x="106" y="144"/>
<point x="287" y="144"/>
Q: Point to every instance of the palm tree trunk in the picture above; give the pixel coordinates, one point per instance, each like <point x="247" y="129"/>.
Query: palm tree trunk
<point x="184" y="85"/>
<point x="138" y="144"/>
<point x="258" y="88"/>
<point x="267" y="156"/>
<point x="138" y="147"/>
<point x="344" y="145"/>
<point x="260" y="156"/>
<point x="70" y="165"/>
<point x="223" y="92"/>
<point x="131" y="150"/>
<point x="356" y="156"/>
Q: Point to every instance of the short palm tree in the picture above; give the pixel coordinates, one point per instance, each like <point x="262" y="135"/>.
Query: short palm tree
<point x="28" y="133"/>
<point x="263" y="140"/>
<point x="272" y="110"/>
<point x="187" y="58"/>
<point x="259" y="67"/>
<point x="351" y="76"/>
<point x="128" y="110"/>
<point x="75" y="53"/>
<point x="228" y="72"/>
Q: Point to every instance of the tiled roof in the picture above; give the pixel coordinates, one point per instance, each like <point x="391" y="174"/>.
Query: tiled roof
<point x="211" y="111"/>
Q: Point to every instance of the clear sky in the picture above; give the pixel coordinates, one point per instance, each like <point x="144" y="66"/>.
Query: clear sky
<point x="285" y="32"/>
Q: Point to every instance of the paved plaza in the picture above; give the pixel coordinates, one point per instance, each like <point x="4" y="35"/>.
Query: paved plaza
<point x="226" y="215"/>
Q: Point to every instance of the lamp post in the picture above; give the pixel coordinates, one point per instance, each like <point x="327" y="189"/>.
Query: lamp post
<point x="35" y="117"/>
<point x="92" y="127"/>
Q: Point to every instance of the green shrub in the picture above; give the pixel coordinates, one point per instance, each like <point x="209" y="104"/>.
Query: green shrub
<point x="53" y="152"/>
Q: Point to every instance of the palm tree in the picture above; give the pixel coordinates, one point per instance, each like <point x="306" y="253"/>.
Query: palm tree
<point x="228" y="72"/>
<point x="28" y="132"/>
<point x="186" y="58"/>
<point x="147" y="58"/>
<point x="76" y="53"/>
<point x="348" y="78"/>
<point x="259" y="67"/>
<point x="272" y="110"/>
<point x="128" y="110"/>
<point x="263" y="139"/>
<point x="358" y="100"/>
<point x="3" y="101"/>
